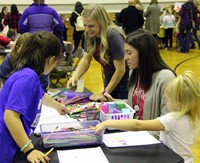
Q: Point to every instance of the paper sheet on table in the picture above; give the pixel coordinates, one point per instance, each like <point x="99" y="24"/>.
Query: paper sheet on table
<point x="123" y="139"/>
<point x="50" y="115"/>
<point x="86" y="155"/>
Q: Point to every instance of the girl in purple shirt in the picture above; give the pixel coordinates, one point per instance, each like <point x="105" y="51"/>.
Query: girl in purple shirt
<point x="22" y="96"/>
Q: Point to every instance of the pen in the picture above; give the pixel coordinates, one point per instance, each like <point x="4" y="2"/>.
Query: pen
<point x="50" y="134"/>
<point x="49" y="151"/>
<point x="63" y="91"/>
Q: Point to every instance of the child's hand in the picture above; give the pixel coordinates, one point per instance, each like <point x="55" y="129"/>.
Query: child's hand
<point x="99" y="127"/>
<point x="37" y="156"/>
<point x="62" y="109"/>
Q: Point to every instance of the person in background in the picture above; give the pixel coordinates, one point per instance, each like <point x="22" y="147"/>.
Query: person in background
<point x="115" y="19"/>
<point x="194" y="36"/>
<point x="38" y="17"/>
<point x="179" y="128"/>
<point x="131" y="13"/>
<point x="12" y="18"/>
<point x="19" y="114"/>
<point x="152" y="15"/>
<point x="77" y="35"/>
<point x="12" y="35"/>
<point x="6" y="66"/>
<point x="187" y="13"/>
<point x="139" y="5"/>
<point x="104" y="42"/>
<point x="4" y="41"/>
<point x="148" y="77"/>
<point x="3" y="14"/>
<point x="65" y="27"/>
<point x="169" y="24"/>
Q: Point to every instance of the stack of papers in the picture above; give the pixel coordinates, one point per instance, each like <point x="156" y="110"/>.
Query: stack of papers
<point x="50" y="115"/>
<point x="130" y="138"/>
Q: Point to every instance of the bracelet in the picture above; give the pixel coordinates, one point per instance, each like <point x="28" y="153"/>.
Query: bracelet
<point x="29" y="142"/>
<point x="28" y="152"/>
<point x="104" y="92"/>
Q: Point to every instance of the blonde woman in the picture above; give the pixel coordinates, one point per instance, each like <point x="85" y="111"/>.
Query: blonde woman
<point x="104" y="42"/>
<point x="179" y="128"/>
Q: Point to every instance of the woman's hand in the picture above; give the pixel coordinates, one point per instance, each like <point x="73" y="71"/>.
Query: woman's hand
<point x="98" y="97"/>
<point x="108" y="97"/>
<point x="62" y="109"/>
<point x="37" y="156"/>
<point x="72" y="82"/>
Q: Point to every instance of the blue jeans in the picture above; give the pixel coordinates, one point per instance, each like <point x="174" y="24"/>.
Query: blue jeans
<point x="185" y="41"/>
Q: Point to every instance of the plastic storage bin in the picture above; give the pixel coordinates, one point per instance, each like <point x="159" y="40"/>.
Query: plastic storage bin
<point x="70" y="134"/>
<point x="117" y="116"/>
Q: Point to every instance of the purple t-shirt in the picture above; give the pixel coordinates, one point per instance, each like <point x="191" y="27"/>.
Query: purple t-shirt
<point x="22" y="93"/>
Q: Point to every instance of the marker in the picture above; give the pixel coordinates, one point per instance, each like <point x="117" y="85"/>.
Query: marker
<point x="49" y="151"/>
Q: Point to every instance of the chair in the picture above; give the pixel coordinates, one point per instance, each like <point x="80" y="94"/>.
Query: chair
<point x="65" y="68"/>
<point x="65" y="60"/>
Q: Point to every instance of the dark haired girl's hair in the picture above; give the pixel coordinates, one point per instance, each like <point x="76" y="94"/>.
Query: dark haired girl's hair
<point x="78" y="7"/>
<point x="14" y="9"/>
<point x="150" y="60"/>
<point x="37" y="48"/>
<point x="2" y="12"/>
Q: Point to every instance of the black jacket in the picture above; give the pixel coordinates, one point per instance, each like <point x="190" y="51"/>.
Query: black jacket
<point x="131" y="19"/>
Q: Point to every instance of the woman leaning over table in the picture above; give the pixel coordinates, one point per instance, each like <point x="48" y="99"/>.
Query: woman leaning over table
<point x="104" y="42"/>
<point x="22" y="96"/>
<point x="149" y="76"/>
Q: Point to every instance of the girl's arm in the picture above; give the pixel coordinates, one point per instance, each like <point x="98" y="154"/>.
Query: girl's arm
<point x="82" y="68"/>
<point x="50" y="102"/>
<point x="131" y="125"/>
<point x="16" y="129"/>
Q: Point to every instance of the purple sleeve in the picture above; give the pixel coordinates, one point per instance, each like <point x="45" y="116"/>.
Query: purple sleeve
<point x="21" y="94"/>
<point x="58" y="24"/>
<point x="182" y="10"/>
<point x="22" y="25"/>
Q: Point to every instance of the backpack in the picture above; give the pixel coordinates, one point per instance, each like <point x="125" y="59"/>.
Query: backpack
<point x="79" y="23"/>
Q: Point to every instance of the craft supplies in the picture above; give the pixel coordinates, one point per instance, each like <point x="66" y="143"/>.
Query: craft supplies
<point x="104" y="108"/>
<point x="114" y="113"/>
<point x="80" y="133"/>
<point x="92" y="114"/>
<point x="53" y="92"/>
<point x="60" y="92"/>
<point x="51" y="133"/>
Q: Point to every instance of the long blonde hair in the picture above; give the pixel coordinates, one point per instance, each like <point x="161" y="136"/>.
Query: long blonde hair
<point x="184" y="91"/>
<point x="98" y="12"/>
